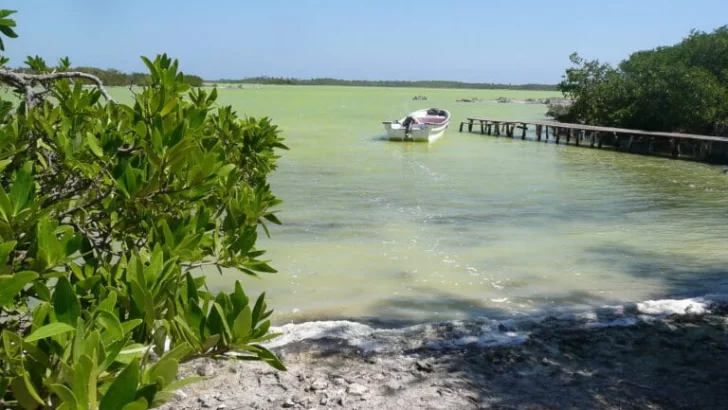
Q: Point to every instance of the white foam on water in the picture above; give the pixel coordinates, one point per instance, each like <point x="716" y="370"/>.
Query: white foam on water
<point x="352" y="332"/>
<point x="485" y="332"/>
<point x="674" y="306"/>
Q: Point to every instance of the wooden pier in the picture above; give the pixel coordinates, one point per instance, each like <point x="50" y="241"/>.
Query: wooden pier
<point x="677" y="145"/>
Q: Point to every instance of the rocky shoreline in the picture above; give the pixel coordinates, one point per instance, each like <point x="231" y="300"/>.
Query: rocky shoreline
<point x="618" y="361"/>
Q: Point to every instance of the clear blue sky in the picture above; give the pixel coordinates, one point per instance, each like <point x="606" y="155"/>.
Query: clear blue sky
<point x="507" y="41"/>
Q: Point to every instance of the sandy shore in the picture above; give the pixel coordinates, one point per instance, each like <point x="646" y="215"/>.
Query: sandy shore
<point x="609" y="361"/>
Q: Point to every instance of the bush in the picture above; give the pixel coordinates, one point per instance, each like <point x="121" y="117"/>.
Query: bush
<point x="681" y="88"/>
<point x="106" y="210"/>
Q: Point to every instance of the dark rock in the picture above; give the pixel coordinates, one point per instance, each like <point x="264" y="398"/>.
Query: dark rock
<point x="288" y="404"/>
<point x="423" y="366"/>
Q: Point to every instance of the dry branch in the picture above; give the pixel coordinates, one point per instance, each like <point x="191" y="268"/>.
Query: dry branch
<point x="25" y="82"/>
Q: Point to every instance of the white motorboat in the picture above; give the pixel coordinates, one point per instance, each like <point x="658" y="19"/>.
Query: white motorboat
<point x="420" y="126"/>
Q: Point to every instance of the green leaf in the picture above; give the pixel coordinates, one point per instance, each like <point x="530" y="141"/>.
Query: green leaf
<point x="21" y="189"/>
<point x="259" y="308"/>
<point x="94" y="145"/>
<point x="112" y="325"/>
<point x="179" y="352"/>
<point x="190" y="335"/>
<point x="191" y="288"/>
<point x="165" y="368"/>
<point x="210" y="342"/>
<point x="6" y="207"/>
<point x="4" y="383"/>
<point x="178" y="384"/>
<point x="65" y="303"/>
<point x="169" y="107"/>
<point x="243" y="323"/>
<point x="50" y="330"/>
<point x="270" y="358"/>
<point x="9" y="288"/>
<point x="108" y="304"/>
<point x="82" y="373"/>
<point x="49" y="247"/>
<point x="239" y="298"/>
<point x="79" y="340"/>
<point x="141" y="130"/>
<point x="144" y="303"/>
<point x="25" y="393"/>
<point x="129" y="325"/>
<point x="4" y="164"/>
<point x="8" y="31"/>
<point x="113" y="352"/>
<point x="66" y="396"/>
<point x="217" y="323"/>
<point x="150" y="66"/>
<point x="140" y="404"/>
<point x="5" y="249"/>
<point x="123" y="389"/>
<point x="225" y="170"/>
<point x="42" y="291"/>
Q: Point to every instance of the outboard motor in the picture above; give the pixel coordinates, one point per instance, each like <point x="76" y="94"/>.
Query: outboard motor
<point x="408" y="125"/>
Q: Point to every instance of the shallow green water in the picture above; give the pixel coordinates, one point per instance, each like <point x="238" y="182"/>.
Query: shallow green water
<point x="471" y="225"/>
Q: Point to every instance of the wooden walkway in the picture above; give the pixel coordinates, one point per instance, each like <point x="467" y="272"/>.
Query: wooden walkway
<point x="677" y="144"/>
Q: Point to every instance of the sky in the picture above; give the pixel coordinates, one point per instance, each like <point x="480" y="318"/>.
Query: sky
<point x="499" y="41"/>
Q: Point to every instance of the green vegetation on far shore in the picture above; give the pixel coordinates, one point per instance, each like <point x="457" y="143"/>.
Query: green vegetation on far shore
<point x="388" y="83"/>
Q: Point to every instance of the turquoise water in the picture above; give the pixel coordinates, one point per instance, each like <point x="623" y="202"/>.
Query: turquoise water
<point x="471" y="225"/>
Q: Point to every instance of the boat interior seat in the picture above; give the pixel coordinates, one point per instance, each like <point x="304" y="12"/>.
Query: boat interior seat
<point x="429" y="118"/>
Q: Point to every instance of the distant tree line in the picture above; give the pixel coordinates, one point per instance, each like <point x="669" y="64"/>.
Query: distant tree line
<point x="384" y="83"/>
<point x="679" y="88"/>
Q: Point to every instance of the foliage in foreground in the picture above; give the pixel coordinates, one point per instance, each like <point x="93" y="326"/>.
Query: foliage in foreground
<point x="677" y="88"/>
<point x="106" y="210"/>
<point x="113" y="77"/>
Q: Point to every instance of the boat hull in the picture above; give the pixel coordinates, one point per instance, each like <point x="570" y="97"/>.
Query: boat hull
<point x="426" y="133"/>
<point x="427" y="128"/>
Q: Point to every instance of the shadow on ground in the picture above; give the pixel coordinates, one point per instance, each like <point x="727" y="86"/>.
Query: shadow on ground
<point x="677" y="363"/>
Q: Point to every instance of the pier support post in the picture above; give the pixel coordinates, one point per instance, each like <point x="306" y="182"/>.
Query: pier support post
<point x="523" y="134"/>
<point x="592" y="139"/>
<point x="568" y="135"/>
<point x="557" y="132"/>
<point x="497" y="129"/>
<point x="461" y="126"/>
<point x="546" y="134"/>
<point x="539" y="128"/>
<point x="470" y="125"/>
